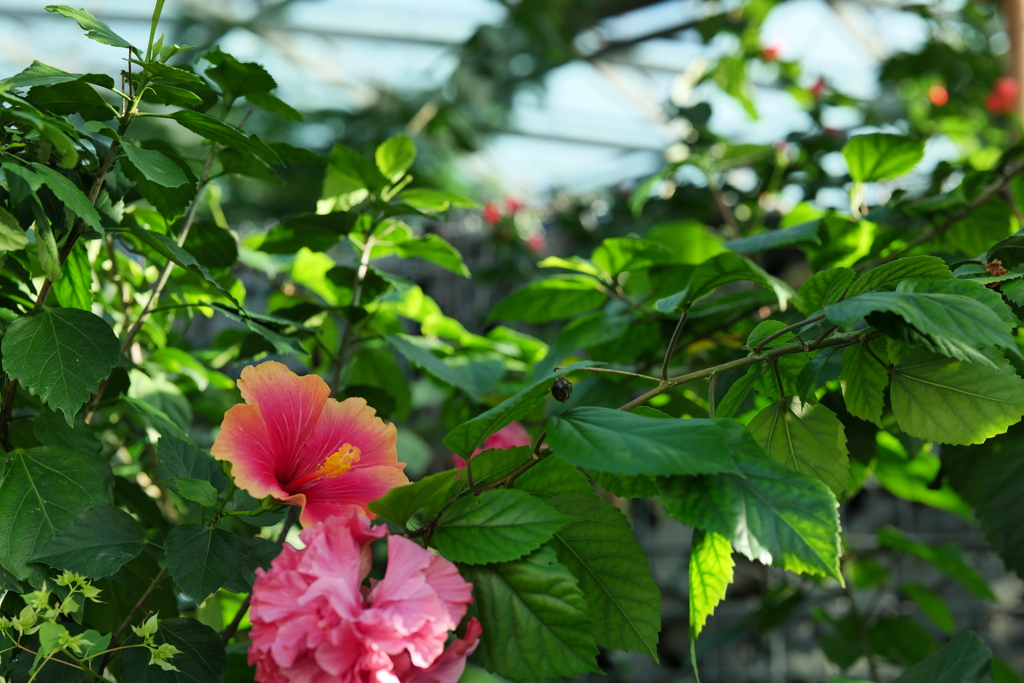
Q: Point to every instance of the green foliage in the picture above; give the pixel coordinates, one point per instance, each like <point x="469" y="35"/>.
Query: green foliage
<point x="880" y="156"/>
<point x="711" y="572"/>
<point x="201" y="559"/>
<point x="96" y="544"/>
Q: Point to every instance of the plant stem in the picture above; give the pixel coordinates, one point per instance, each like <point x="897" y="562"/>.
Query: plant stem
<point x="131" y="615"/>
<point x="711" y="396"/>
<point x="672" y="343"/>
<point x="795" y="326"/>
<point x="617" y="372"/>
<point x="345" y="349"/>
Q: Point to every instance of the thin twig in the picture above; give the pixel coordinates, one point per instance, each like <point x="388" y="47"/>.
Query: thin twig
<point x="711" y="396"/>
<point x="824" y="335"/>
<point x="795" y="326"/>
<point x="867" y="347"/>
<point x="131" y="615"/>
<point x="617" y="372"/>
<point x="672" y="343"/>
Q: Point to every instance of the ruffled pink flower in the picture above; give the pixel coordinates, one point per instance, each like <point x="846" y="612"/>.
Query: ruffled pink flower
<point x="290" y="441"/>
<point x="314" y="621"/>
<point x="507" y="437"/>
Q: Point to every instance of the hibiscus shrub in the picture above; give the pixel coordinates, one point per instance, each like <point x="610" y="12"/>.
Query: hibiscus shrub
<point x="151" y="518"/>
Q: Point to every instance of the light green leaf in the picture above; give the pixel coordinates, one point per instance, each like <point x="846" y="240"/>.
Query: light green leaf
<point x="536" y="622"/>
<point x="94" y="28"/>
<point x="554" y="298"/>
<point x="600" y="549"/>
<point x="864" y="380"/>
<point x="61" y="355"/>
<point x="433" y="201"/>
<point x="39" y="74"/>
<point x="402" y="502"/>
<point x="468" y="436"/>
<point x="197" y="490"/>
<point x="881" y="156"/>
<point x="720" y="270"/>
<point x="711" y="572"/>
<point x="826" y="287"/>
<point x="497" y="526"/>
<point x="201" y="559"/>
<point x="963" y="660"/>
<point x="959" y="319"/>
<point x="807" y="437"/>
<point x="765" y="329"/>
<point x="70" y="195"/>
<point x="805" y="233"/>
<point x="44" y="490"/>
<point x="621" y="254"/>
<point x="73" y="289"/>
<point x="435" y="249"/>
<point x="887" y="275"/>
<point x="968" y="288"/>
<point x="394" y="157"/>
<point x="155" y="166"/>
<point x="475" y="377"/>
<point x="948" y="557"/>
<point x="932" y="605"/>
<point x="955" y="402"/>
<point x="629" y="443"/>
<point x="95" y="544"/>
<point x="769" y="512"/>
<point x="225" y="134"/>
<point x="12" y="237"/>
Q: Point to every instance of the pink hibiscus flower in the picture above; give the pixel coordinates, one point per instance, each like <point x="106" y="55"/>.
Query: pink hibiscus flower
<point x="290" y="441"/>
<point x="314" y="621"/>
<point x="507" y="437"/>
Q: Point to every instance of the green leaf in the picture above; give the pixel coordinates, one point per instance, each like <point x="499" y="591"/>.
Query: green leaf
<point x="622" y="254"/>
<point x="70" y="195"/>
<point x="349" y="179"/>
<point x="38" y="74"/>
<point x="237" y="79"/>
<point x="52" y="430"/>
<point x="225" y="134"/>
<point x="155" y="166"/>
<point x="197" y="490"/>
<point x="44" y="490"/>
<point x="805" y="233"/>
<point x="939" y="399"/>
<point x="738" y="393"/>
<point x="317" y="232"/>
<point x="394" y="157"/>
<point x="887" y="275"/>
<point x="536" y="623"/>
<point x="402" y="502"/>
<point x="807" y="437"/>
<point x="765" y="329"/>
<point x="73" y="289"/>
<point x="12" y="237"/>
<point x="274" y="105"/>
<point x="201" y="559"/>
<point x="554" y="298"/>
<point x="881" y="156"/>
<point x="768" y="512"/>
<point x="435" y="249"/>
<point x="721" y="270"/>
<point x="711" y="572"/>
<point x="601" y="550"/>
<point x="475" y="378"/>
<point x="49" y="637"/>
<point x="968" y="288"/>
<point x="953" y="317"/>
<point x="948" y="557"/>
<point x="169" y="249"/>
<point x="179" y="459"/>
<point x="170" y="202"/>
<point x="628" y="443"/>
<point x="932" y="605"/>
<point x="157" y="419"/>
<point x="864" y="380"/>
<point x="497" y="526"/>
<point x="201" y="657"/>
<point x="93" y="27"/>
<point x="963" y="660"/>
<point x="95" y="544"/>
<point x="468" y="436"/>
<point x="625" y="486"/>
<point x="433" y="201"/>
<point x="824" y="288"/>
<point x="76" y="97"/>
<point x="61" y="355"/>
<point x="259" y="553"/>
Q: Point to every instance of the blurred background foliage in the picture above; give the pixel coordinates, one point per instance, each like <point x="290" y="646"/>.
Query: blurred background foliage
<point x="571" y="121"/>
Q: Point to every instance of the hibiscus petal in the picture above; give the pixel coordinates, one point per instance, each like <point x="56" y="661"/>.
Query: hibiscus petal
<point x="243" y="442"/>
<point x="353" y="422"/>
<point x="329" y="497"/>
<point x="290" y="406"/>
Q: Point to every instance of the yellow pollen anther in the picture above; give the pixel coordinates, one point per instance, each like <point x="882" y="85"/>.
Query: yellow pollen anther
<point x="338" y="463"/>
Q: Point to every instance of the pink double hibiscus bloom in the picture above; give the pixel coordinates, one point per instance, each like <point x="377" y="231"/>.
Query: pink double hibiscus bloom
<point x="290" y="441"/>
<point x="314" y="621"/>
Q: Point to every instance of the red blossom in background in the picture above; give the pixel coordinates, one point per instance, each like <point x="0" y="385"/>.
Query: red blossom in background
<point x="1003" y="97"/>
<point x="507" y="437"/>
<point x="290" y="441"/>
<point x="537" y="243"/>
<point x="938" y="95"/>
<point x="492" y="214"/>
<point x="314" y="621"/>
<point x="818" y="89"/>
<point x="512" y="204"/>
<point x="772" y="51"/>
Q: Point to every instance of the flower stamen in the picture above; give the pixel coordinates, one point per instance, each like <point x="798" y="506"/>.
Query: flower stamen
<point x="336" y="464"/>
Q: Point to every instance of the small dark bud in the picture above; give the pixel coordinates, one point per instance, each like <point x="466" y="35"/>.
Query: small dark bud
<point x="561" y="389"/>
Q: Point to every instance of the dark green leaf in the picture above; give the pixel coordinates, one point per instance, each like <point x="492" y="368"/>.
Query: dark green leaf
<point x="948" y="557"/>
<point x="402" y="502"/>
<point x="274" y="105"/>
<point x="44" y="490"/>
<point x="824" y="288"/>
<point x="201" y="657"/>
<point x="721" y="270"/>
<point x="75" y="97"/>
<point x="95" y="544"/>
<point x="212" y="245"/>
<point x="61" y="355"/>
<point x="70" y="195"/>
<point x="881" y="156"/>
<point x="738" y="393"/>
<point x="52" y="430"/>
<point x="624" y="485"/>
<point x="554" y="298"/>
<point x="196" y="490"/>
<point x="968" y="288"/>
<point x="171" y="202"/>
<point x="12" y="236"/>
<point x="621" y="254"/>
<point x="932" y="605"/>
<point x="864" y="381"/>
<point x="202" y="559"/>
<point x="93" y="27"/>
<point x="886" y="276"/>
<point x="157" y="419"/>
<point x="155" y="166"/>
<point x="39" y="74"/>
<point x="476" y="378"/>
<point x="805" y="233"/>
<point x="235" y="78"/>
<point x="497" y="526"/>
<point x="962" y="660"/>
<point x="225" y="134"/>
<point x="169" y="249"/>
<point x="601" y="550"/>
<point x="536" y="623"/>
<point x="259" y="552"/>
